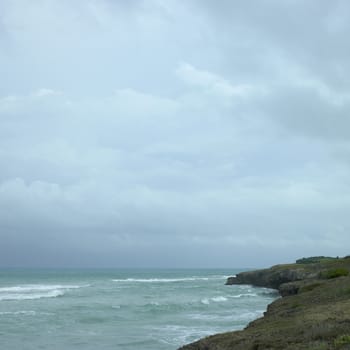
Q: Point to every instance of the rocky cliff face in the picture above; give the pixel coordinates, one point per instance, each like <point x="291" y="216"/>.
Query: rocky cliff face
<point x="276" y="277"/>
<point x="314" y="313"/>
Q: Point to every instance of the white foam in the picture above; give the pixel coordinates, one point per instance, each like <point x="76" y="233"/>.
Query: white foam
<point x="218" y="299"/>
<point x="23" y="312"/>
<point x="176" y="334"/>
<point x="244" y="295"/>
<point x="39" y="287"/>
<point x="202" y="317"/>
<point x="161" y="280"/>
<point x="33" y="296"/>
<point x="205" y="301"/>
<point x="248" y="316"/>
<point x="35" y="291"/>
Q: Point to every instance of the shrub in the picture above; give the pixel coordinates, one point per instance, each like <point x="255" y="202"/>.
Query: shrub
<point x="334" y="273"/>
<point x="310" y="287"/>
<point x="342" y="340"/>
<point x="319" y="345"/>
<point x="313" y="259"/>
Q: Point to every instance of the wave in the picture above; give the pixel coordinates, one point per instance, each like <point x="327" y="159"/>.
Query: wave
<point x="218" y="299"/>
<point x="51" y="294"/>
<point x="35" y="291"/>
<point x="39" y="287"/>
<point x="248" y="316"/>
<point x="162" y="280"/>
<point x="175" y="334"/>
<point x="244" y="295"/>
<point x="24" y="312"/>
<point x="207" y="301"/>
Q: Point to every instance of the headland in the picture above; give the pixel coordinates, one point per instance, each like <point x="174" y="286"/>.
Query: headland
<point x="313" y="312"/>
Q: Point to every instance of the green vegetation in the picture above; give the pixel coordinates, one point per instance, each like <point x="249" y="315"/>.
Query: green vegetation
<point x="314" y="259"/>
<point x="313" y="314"/>
<point x="334" y="273"/>
<point x="319" y="346"/>
<point x="342" y="340"/>
<point x="309" y="287"/>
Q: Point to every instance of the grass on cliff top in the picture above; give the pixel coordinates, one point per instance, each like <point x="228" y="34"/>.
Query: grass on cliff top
<point x="323" y="264"/>
<point x="317" y="318"/>
<point x="315" y="259"/>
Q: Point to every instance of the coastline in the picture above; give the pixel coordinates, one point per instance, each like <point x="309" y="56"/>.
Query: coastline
<point x="313" y="312"/>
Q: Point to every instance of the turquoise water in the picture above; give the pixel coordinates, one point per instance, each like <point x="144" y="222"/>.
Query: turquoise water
<point x="121" y="309"/>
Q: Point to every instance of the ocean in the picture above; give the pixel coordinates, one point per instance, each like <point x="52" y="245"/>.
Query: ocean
<point x="129" y="309"/>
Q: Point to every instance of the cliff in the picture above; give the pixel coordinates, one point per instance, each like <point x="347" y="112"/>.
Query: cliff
<point x="313" y="313"/>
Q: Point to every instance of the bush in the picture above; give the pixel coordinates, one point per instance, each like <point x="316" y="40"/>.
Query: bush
<point x="334" y="273"/>
<point x="310" y="287"/>
<point x="342" y="340"/>
<point x="313" y="259"/>
<point x="319" y="345"/>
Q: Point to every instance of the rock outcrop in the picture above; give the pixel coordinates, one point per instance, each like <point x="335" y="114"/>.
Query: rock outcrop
<point x="313" y="313"/>
<point x="280" y="277"/>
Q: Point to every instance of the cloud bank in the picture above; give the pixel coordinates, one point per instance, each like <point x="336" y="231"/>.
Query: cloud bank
<point x="173" y="134"/>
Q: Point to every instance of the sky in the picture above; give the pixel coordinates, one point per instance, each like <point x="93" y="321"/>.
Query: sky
<point x="173" y="133"/>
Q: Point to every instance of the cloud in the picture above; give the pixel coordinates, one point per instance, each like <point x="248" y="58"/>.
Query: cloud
<point x="45" y="92"/>
<point x="211" y="82"/>
<point x="114" y="152"/>
<point x="312" y="109"/>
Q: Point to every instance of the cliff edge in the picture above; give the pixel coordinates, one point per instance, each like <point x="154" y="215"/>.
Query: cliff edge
<point x="313" y="313"/>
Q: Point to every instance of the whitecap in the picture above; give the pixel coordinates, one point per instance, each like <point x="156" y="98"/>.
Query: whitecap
<point x="204" y="317"/>
<point x="218" y="299"/>
<point x="35" y="291"/>
<point x="22" y="312"/>
<point x="32" y="296"/>
<point x="161" y="280"/>
<point x="244" y="295"/>
<point x="40" y="287"/>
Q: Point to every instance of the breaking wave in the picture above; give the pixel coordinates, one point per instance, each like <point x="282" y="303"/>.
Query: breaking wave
<point x="244" y="295"/>
<point x="167" y="280"/>
<point x="35" y="291"/>
<point x="207" y="301"/>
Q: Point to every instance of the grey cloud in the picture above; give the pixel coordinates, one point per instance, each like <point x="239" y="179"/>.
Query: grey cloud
<point x="161" y="133"/>
<point x="307" y="112"/>
<point x="257" y="35"/>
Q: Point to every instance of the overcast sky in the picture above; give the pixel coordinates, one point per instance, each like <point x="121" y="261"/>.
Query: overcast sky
<point x="173" y="133"/>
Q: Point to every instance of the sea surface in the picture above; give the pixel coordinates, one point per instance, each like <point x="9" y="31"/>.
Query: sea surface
<point x="121" y="309"/>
